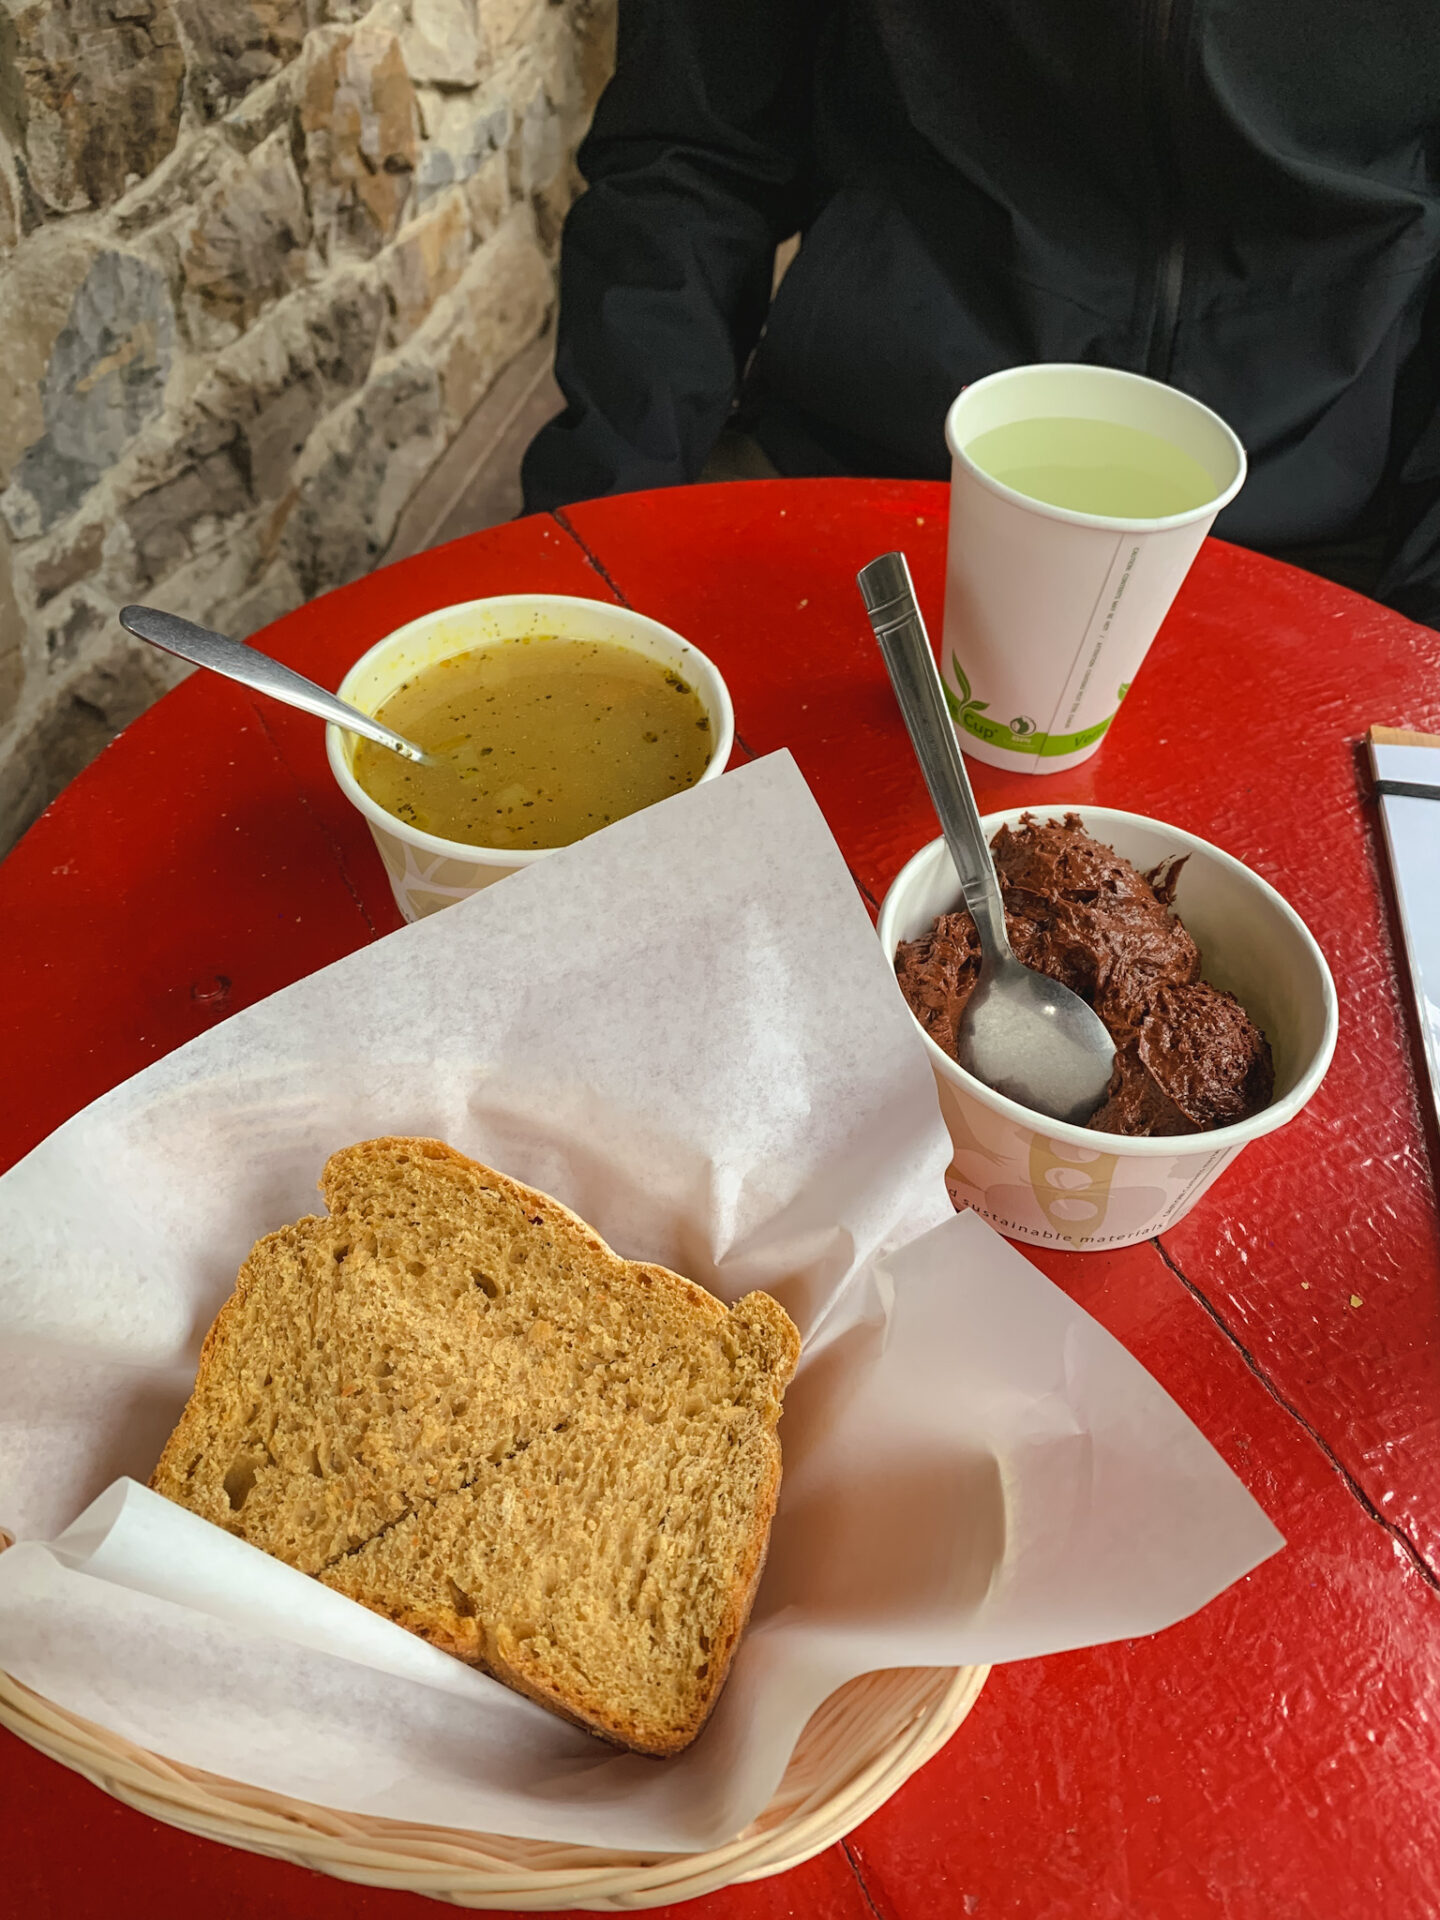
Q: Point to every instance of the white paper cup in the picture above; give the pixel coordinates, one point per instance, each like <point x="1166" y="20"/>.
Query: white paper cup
<point x="1049" y="612"/>
<point x="1052" y="1184"/>
<point x="428" y="872"/>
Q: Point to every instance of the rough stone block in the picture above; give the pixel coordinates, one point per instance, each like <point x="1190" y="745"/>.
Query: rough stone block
<point x="235" y="45"/>
<point x="104" y="379"/>
<point x="360" y="129"/>
<point x="426" y="261"/>
<point x="246" y="244"/>
<point x="241" y="429"/>
<point x="208" y="586"/>
<point x="46" y="567"/>
<point x="560" y="56"/>
<point x="593" y="28"/>
<point x="73" y="625"/>
<point x="359" y="468"/>
<point x="509" y="23"/>
<point x="501" y="302"/>
<point x="462" y="131"/>
<point x="304" y="357"/>
<point x="12" y="633"/>
<point x="274" y="103"/>
<point x="276" y="592"/>
<point x="171" y="523"/>
<point x="442" y="43"/>
<point x="97" y="88"/>
<point x="37" y="291"/>
<point x="487" y="194"/>
<point x="9" y="200"/>
<point x="535" y="145"/>
<point x="552" y="200"/>
<point x="178" y="184"/>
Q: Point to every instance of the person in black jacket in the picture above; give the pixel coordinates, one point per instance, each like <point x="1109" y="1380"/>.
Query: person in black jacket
<point x="1239" y="197"/>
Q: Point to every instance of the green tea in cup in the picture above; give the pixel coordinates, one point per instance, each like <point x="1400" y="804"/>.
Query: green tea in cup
<point x="1094" y="466"/>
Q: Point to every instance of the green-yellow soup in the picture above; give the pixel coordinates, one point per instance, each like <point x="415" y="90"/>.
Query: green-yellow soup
<point x="541" y="741"/>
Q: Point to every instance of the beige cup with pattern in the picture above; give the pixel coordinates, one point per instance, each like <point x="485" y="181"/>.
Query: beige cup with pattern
<point x="1052" y="1184"/>
<point x="427" y="872"/>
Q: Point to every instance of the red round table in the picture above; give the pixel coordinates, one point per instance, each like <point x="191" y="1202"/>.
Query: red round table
<point x="1278" y="1755"/>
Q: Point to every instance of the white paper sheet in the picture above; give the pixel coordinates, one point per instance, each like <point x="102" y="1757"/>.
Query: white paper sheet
<point x="1407" y="778"/>
<point x="684" y="1029"/>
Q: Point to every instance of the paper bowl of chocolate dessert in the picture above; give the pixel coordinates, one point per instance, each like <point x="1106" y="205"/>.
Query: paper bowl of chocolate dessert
<point x="1219" y="1001"/>
<point x="547" y="717"/>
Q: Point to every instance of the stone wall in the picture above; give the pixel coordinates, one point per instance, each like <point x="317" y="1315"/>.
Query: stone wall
<point x="259" y="260"/>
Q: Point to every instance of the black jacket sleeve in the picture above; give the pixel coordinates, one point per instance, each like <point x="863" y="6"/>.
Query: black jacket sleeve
<point x="1410" y="574"/>
<point x="1410" y="581"/>
<point x="697" y="169"/>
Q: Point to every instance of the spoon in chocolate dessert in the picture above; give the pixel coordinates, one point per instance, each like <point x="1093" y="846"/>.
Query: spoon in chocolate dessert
<point x="1022" y="1033"/>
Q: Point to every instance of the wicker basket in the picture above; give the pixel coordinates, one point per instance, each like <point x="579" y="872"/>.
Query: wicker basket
<point x="865" y="1740"/>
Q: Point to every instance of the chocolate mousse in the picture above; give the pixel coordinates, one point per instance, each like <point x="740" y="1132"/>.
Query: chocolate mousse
<point x="1187" y="1056"/>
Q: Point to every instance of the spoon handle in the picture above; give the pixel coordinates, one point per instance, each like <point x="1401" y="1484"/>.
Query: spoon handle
<point x="257" y="670"/>
<point x="894" y="614"/>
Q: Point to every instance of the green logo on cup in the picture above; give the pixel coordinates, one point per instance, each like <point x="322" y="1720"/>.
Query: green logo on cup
<point x="1019" y="735"/>
<point x="965" y="704"/>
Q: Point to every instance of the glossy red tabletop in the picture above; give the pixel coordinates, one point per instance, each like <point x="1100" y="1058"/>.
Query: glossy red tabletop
<point x="1276" y="1756"/>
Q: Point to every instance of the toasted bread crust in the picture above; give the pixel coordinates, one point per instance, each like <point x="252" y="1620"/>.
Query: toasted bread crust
<point x="414" y="1528"/>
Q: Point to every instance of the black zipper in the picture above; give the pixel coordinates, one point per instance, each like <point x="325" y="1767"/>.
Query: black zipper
<point x="1169" y="25"/>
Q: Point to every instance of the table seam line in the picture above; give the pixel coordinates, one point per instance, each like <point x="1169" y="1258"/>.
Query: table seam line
<point x="561" y="519"/>
<point x="1352" y="1485"/>
<point x="854" y="1865"/>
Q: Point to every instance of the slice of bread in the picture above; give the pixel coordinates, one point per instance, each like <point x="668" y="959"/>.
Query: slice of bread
<point x="451" y="1401"/>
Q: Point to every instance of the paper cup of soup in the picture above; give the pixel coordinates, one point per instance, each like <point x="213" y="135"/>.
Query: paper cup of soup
<point x="1052" y="1184"/>
<point x="550" y="716"/>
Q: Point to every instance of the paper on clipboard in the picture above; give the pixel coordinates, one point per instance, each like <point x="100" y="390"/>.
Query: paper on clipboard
<point x="1406" y="770"/>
